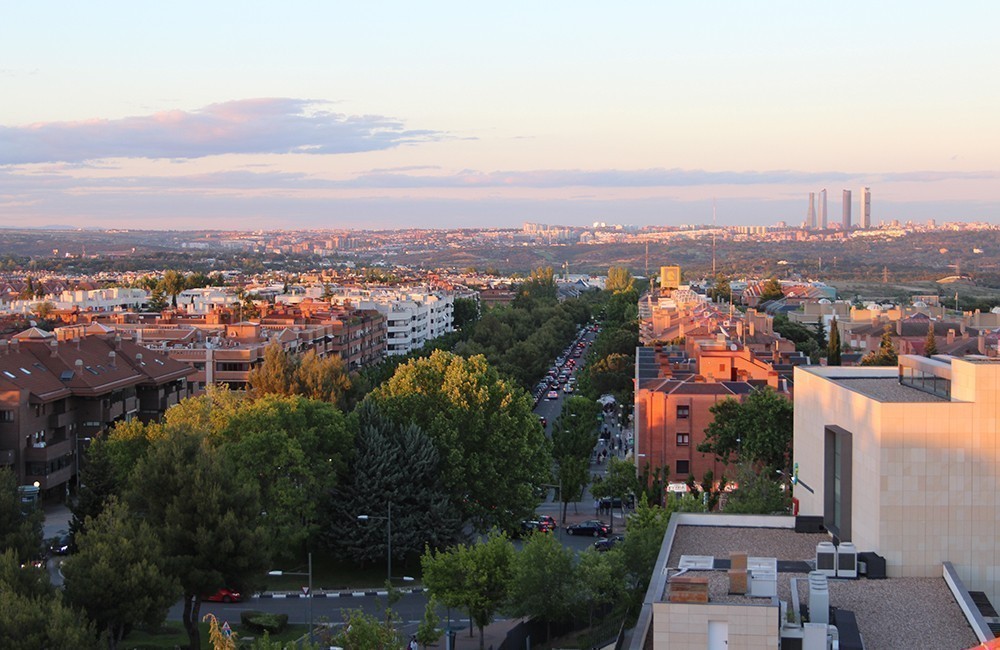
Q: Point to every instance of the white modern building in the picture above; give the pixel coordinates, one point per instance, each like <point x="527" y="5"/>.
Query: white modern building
<point x="115" y="298"/>
<point x="903" y="461"/>
<point x="413" y="315"/>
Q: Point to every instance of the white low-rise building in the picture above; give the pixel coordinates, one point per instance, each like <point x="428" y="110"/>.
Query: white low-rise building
<point x="111" y="299"/>
<point x="413" y="315"/>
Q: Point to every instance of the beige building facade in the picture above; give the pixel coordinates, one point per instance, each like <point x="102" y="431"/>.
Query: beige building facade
<point x="903" y="461"/>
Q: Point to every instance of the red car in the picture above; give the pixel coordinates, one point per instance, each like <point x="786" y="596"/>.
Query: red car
<point x="224" y="595"/>
<point x="546" y="523"/>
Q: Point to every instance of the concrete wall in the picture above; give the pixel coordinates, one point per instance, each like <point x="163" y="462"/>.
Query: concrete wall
<point x="684" y="626"/>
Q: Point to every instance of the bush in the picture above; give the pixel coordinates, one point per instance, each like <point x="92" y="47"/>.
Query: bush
<point x="260" y="622"/>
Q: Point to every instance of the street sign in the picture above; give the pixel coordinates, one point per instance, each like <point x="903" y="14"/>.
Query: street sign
<point x="226" y="630"/>
<point x="305" y="591"/>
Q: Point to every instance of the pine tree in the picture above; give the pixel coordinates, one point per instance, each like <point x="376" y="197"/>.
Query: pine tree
<point x="930" y="344"/>
<point x="98" y="483"/>
<point x="833" y="347"/>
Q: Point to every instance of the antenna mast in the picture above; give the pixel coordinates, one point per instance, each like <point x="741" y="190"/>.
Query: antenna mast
<point x="713" y="237"/>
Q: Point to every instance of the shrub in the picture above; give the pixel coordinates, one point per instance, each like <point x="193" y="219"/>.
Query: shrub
<point x="260" y="622"/>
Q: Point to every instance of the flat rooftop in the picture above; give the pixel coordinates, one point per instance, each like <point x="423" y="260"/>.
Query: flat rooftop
<point x="886" y="389"/>
<point x="891" y="613"/>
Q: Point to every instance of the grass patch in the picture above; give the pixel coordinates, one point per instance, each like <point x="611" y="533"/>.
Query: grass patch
<point x="171" y="634"/>
<point x="332" y="574"/>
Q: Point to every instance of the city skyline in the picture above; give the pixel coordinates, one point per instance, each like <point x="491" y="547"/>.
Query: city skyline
<point x="454" y="116"/>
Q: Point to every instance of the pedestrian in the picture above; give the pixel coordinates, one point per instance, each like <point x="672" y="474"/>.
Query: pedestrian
<point x="597" y="507"/>
<point x="413" y="643"/>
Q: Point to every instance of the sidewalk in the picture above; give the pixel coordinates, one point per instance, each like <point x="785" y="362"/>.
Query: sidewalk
<point x="493" y="636"/>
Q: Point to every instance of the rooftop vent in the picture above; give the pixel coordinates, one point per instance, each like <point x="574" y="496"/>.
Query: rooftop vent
<point x="819" y="598"/>
<point x="697" y="562"/>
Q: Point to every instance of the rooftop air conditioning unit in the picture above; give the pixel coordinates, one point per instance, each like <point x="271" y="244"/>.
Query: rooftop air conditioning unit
<point x="763" y="576"/>
<point x="826" y="559"/>
<point x="847" y="560"/>
<point x="697" y="562"/>
<point x="819" y="598"/>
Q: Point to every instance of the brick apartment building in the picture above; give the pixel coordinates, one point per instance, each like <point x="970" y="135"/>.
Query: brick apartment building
<point x="57" y="393"/>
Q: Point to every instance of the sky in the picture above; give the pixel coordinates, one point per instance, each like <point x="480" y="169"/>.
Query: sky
<point x="248" y="115"/>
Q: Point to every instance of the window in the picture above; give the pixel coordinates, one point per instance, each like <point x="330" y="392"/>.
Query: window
<point x="683" y="412"/>
<point x="683" y="467"/>
<point x="683" y="440"/>
<point x="6" y="416"/>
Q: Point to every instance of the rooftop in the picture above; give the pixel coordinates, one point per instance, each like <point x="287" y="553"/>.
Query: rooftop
<point x="891" y="613"/>
<point x="886" y="389"/>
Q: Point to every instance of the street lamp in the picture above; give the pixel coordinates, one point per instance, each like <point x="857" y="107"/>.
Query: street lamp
<point x="388" y="537"/>
<point x="309" y="589"/>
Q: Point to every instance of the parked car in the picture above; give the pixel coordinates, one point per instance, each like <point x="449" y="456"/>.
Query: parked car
<point x="608" y="543"/>
<point x="224" y="595"/>
<point x="592" y="527"/>
<point x="60" y="544"/>
<point x="547" y="521"/>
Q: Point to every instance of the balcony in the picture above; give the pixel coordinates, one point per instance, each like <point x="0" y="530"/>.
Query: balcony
<point x="60" y="420"/>
<point x="48" y="452"/>
<point x="58" y="477"/>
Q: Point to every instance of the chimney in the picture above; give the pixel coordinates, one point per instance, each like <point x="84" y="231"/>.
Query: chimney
<point x="15" y="345"/>
<point x="79" y="365"/>
<point x="961" y="328"/>
<point x="138" y="358"/>
<point x="111" y="359"/>
<point x="118" y="341"/>
<point x="739" y="329"/>
<point x="981" y="340"/>
<point x="5" y="346"/>
<point x="951" y="336"/>
<point x="753" y="326"/>
<point x="899" y="327"/>
<point x="53" y="348"/>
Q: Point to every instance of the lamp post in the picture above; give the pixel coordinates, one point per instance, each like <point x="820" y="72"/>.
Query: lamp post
<point x="310" y="589"/>
<point x="388" y="537"/>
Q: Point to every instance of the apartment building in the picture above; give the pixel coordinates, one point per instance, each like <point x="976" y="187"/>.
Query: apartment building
<point x="413" y="315"/>
<point x="57" y="393"/>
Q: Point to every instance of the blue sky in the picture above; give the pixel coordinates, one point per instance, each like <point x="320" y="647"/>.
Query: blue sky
<point x="323" y="114"/>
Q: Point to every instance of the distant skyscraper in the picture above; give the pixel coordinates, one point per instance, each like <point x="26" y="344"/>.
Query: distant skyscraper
<point x="866" y="208"/>
<point x="847" y="210"/>
<point x="822" y="209"/>
<point x="811" y="221"/>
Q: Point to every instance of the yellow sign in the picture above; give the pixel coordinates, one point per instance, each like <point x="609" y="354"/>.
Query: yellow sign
<point x="670" y="277"/>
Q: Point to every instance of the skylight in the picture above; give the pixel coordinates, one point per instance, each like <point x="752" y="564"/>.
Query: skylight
<point x="9" y="374"/>
<point x="25" y="371"/>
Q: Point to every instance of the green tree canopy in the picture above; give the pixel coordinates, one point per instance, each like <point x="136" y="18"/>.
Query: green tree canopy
<point x="619" y="280"/>
<point x="543" y="581"/>
<point x="771" y="290"/>
<point x="395" y="464"/>
<point x="930" y="343"/>
<point x="757" y="492"/>
<point x="493" y="450"/>
<point x="116" y="575"/>
<point x="209" y="522"/>
<point x="757" y="430"/>
<point x="886" y="353"/>
<point x="98" y="483"/>
<point x="466" y="312"/>
<point x="833" y="357"/>
<point x="20" y="531"/>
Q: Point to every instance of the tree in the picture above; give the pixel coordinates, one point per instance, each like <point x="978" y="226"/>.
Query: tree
<point x="641" y="545"/>
<point x="930" y="343"/>
<point x="543" y="582"/>
<point x="362" y="631"/>
<point x="758" y="430"/>
<point x="619" y="482"/>
<point x="276" y="374"/>
<point x="721" y="290"/>
<point x="209" y="524"/>
<point x="116" y="575"/>
<point x="323" y="379"/>
<point x="619" y="279"/>
<point x="476" y="578"/>
<point x="172" y="284"/>
<point x="466" y="312"/>
<point x="20" y="531"/>
<point x="98" y="483"/>
<point x="395" y="464"/>
<point x="294" y="449"/>
<point x="833" y="347"/>
<point x="43" y="309"/>
<point x="757" y="492"/>
<point x="493" y="451"/>
<point x="429" y="631"/>
<point x="771" y="290"/>
<point x="33" y="614"/>
<point x="157" y="301"/>
<point x="600" y="580"/>
<point x="539" y="288"/>
<point x="886" y="353"/>
<point x="574" y="434"/>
